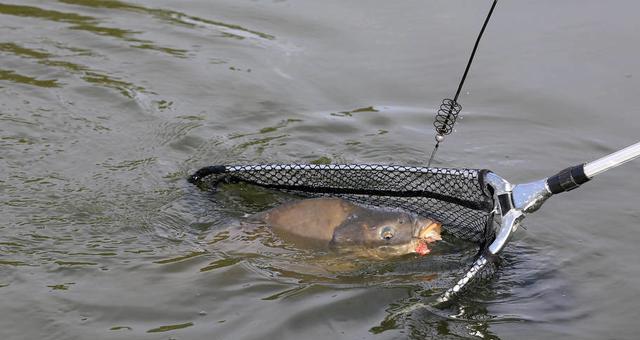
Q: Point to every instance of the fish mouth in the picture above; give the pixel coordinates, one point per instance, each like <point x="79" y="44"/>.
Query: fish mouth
<point x="430" y="232"/>
<point x="426" y="233"/>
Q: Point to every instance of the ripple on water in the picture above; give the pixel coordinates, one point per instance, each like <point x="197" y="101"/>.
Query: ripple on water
<point x="108" y="105"/>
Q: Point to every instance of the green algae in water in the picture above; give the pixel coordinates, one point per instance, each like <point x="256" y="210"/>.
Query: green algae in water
<point x="86" y="23"/>
<point x="11" y="244"/>
<point x="321" y="160"/>
<point x="35" y="12"/>
<point x="12" y="263"/>
<point x="385" y="325"/>
<point x="23" y="51"/>
<point x="61" y="286"/>
<point x="85" y="73"/>
<point x="221" y="236"/>
<point x="170" y="327"/>
<point x="221" y="264"/>
<point x="168" y="15"/>
<point x="22" y="79"/>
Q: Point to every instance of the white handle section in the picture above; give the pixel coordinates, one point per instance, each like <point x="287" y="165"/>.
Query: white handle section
<point x="611" y="161"/>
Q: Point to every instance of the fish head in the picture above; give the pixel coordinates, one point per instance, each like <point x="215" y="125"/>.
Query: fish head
<point x="386" y="234"/>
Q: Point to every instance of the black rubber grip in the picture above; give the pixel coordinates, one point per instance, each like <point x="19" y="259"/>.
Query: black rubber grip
<point x="206" y="171"/>
<point x="567" y="179"/>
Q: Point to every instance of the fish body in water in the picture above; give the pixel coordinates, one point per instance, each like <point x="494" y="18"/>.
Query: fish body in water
<point x="338" y="224"/>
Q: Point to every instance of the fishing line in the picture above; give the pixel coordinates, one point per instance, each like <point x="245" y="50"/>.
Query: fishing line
<point x="450" y="108"/>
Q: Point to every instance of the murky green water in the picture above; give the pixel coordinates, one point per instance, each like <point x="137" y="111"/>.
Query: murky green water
<point x="107" y="106"/>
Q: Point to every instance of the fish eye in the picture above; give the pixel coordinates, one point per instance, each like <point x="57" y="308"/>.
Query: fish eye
<point x="387" y="233"/>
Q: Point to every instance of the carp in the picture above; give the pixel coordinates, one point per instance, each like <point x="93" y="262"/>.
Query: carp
<point x="338" y="224"/>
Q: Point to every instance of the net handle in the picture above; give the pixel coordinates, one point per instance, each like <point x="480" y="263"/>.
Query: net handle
<point x="572" y="177"/>
<point x="516" y="201"/>
<point x="613" y="160"/>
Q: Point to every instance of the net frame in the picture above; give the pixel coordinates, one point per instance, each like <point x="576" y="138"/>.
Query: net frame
<point x="456" y="197"/>
<point x="467" y="200"/>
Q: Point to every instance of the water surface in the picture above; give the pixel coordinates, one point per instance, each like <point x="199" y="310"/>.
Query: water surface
<point x="107" y="106"/>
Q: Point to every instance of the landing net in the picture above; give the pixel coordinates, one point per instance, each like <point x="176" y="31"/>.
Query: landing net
<point x="455" y="197"/>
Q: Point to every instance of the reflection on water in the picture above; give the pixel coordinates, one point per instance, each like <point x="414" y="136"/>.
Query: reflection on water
<point x="86" y="74"/>
<point x="18" y="78"/>
<point x="230" y="30"/>
<point x="94" y="25"/>
<point x="78" y="22"/>
<point x="107" y="106"/>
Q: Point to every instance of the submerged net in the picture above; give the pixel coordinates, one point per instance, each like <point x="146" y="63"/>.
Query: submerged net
<point x="454" y="197"/>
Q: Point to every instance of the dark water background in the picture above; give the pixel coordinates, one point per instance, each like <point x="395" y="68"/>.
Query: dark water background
<point x="107" y="106"/>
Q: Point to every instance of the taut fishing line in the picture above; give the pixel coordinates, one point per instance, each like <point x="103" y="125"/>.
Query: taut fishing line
<point x="450" y="108"/>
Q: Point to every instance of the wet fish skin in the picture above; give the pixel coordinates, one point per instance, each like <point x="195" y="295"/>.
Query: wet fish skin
<point x="310" y="218"/>
<point x="341" y="225"/>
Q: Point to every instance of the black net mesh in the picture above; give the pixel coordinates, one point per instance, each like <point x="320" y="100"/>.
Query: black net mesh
<point x="454" y="197"/>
